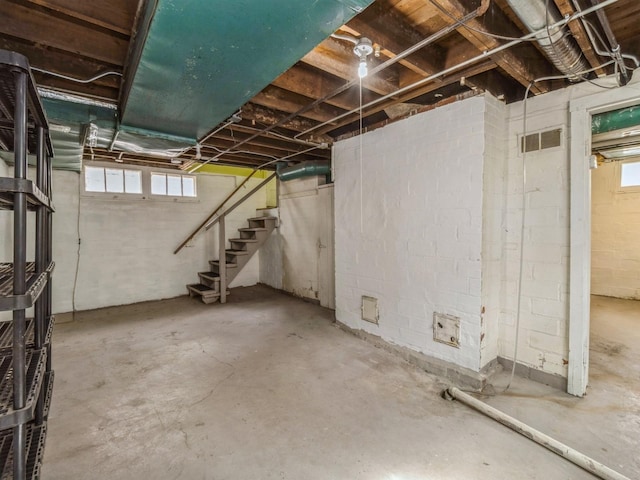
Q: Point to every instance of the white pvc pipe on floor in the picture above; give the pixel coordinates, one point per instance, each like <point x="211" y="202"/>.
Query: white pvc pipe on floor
<point x="546" y="441"/>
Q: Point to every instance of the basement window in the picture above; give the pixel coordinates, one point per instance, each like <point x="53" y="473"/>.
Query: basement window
<point x="112" y="180"/>
<point x="630" y="174"/>
<point x="173" y="185"/>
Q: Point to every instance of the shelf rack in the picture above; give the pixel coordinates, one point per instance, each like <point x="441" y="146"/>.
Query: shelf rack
<point x="26" y="377"/>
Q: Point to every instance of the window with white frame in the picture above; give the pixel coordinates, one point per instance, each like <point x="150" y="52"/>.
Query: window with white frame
<point x="112" y="180"/>
<point x="173" y="185"/>
<point x="630" y="174"/>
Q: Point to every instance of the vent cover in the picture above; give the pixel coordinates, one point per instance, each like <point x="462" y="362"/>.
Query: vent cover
<point x="369" y="309"/>
<point x="541" y="140"/>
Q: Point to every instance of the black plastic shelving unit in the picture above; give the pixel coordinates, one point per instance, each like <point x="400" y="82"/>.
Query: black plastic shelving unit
<point x="26" y="377"/>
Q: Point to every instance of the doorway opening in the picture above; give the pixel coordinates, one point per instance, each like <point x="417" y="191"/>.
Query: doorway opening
<point x="614" y="336"/>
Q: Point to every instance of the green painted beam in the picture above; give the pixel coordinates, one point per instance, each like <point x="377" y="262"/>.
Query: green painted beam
<point x="203" y="59"/>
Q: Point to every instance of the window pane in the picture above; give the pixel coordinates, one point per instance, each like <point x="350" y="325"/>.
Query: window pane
<point x="132" y="181"/>
<point x="94" y="179"/>
<point x="158" y="184"/>
<point x="189" y="186"/>
<point x="174" y="185"/>
<point x="630" y="174"/>
<point x="115" y="181"/>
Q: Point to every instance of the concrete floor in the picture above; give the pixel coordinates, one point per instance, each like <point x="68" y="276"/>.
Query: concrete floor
<point x="266" y="387"/>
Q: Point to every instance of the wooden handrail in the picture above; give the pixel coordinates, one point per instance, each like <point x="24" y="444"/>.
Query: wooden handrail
<point x="241" y="201"/>
<point x="206" y="223"/>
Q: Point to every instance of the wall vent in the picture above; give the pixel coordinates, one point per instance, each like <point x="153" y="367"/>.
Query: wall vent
<point x="541" y="140"/>
<point x="370" y="309"/>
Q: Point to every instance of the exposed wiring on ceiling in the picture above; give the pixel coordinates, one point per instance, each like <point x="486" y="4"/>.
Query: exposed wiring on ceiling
<point x="477" y="30"/>
<point x="603" y="50"/>
<point x="559" y="56"/>
<point x="77" y="80"/>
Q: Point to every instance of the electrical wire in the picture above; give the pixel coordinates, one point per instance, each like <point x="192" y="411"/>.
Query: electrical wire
<point x="75" y="278"/>
<point x="477" y="30"/>
<point x="524" y="210"/>
<point x="361" y="165"/>
<point x="77" y="80"/>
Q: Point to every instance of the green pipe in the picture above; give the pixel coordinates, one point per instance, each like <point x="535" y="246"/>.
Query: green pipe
<point x="615" y="120"/>
<point x="304" y="169"/>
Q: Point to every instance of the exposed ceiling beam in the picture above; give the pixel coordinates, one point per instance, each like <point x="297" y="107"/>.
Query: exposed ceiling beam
<point x="337" y="57"/>
<point x="312" y="83"/>
<point x="267" y="116"/>
<point x="286" y="101"/>
<point x="407" y="97"/>
<point x="37" y="27"/>
<point x="114" y="15"/>
<point x="384" y="26"/>
<point x="495" y="21"/>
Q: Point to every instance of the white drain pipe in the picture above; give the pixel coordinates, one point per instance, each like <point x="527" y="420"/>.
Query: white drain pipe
<point x="590" y="465"/>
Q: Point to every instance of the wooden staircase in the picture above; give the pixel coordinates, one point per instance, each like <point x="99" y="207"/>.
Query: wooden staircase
<point x="242" y="249"/>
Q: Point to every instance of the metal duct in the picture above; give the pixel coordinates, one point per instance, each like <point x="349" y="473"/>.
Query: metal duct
<point x="558" y="48"/>
<point x="304" y="169"/>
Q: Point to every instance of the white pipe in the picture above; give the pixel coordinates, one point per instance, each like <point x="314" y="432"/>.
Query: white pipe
<point x="77" y="80"/>
<point x="579" y="459"/>
<point x="347" y="38"/>
<point x="483" y="56"/>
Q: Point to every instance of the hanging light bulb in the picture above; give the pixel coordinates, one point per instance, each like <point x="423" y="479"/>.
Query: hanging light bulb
<point x="362" y="68"/>
<point x="363" y="48"/>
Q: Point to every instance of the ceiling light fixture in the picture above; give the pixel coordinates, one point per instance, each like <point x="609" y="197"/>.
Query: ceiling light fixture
<point x="363" y="49"/>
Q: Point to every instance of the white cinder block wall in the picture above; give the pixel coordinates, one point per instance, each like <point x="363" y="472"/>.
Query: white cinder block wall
<point x="493" y="233"/>
<point x="615" y="227"/>
<point x="543" y="335"/>
<point x="126" y="253"/>
<point x="544" y="330"/>
<point x="408" y="226"/>
<point x="298" y="257"/>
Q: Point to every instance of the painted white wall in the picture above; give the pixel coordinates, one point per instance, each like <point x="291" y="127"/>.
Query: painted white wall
<point x="409" y="228"/>
<point x="127" y="243"/>
<point x="543" y="332"/>
<point x="544" y="325"/>
<point x="298" y="257"/>
<point x="615" y="227"/>
<point x="493" y="233"/>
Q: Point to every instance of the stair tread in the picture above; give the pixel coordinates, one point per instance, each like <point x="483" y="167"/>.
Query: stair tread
<point x="203" y="290"/>
<point x="243" y="240"/>
<point x="232" y="251"/>
<point x="263" y="218"/>
<point x="217" y="262"/>
<point x="210" y="275"/>
<point x="253" y="229"/>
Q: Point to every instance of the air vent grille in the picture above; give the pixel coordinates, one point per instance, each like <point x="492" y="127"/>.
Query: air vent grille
<point x="541" y="140"/>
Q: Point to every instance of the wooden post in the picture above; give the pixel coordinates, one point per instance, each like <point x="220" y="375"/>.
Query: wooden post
<point x="222" y="259"/>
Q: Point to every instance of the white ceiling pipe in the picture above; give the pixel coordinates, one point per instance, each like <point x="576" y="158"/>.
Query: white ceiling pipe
<point x="579" y="459"/>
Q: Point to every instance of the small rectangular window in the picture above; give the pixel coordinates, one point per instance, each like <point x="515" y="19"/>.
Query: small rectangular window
<point x="173" y="185"/>
<point x="94" y="179"/>
<point x="158" y="184"/>
<point x="112" y="180"/>
<point x="133" y="181"/>
<point x="188" y="186"/>
<point x="115" y="180"/>
<point x="630" y="174"/>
